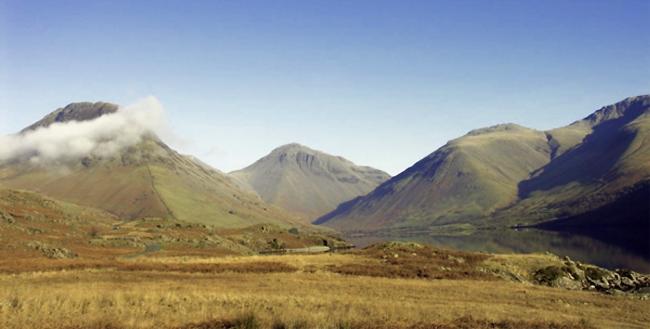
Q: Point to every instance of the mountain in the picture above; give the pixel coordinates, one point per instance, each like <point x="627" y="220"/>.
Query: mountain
<point x="468" y="177"/>
<point x="306" y="181"/>
<point x="81" y="111"/>
<point x="147" y="179"/>
<point x="508" y="174"/>
<point x="613" y="154"/>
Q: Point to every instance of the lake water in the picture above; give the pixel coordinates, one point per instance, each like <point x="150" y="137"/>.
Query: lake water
<point x="578" y="247"/>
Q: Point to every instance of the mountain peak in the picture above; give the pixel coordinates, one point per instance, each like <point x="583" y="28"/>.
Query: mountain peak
<point x="629" y="107"/>
<point x="301" y="154"/>
<point x="306" y="181"/>
<point x="80" y="111"/>
<point x="497" y="128"/>
<point x="292" y="147"/>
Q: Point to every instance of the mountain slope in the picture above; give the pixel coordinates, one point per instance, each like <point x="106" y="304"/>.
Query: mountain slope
<point x="468" y="177"/>
<point x="147" y="179"/>
<point x="307" y="182"/>
<point x="512" y="174"/>
<point x="614" y="155"/>
<point x="624" y="220"/>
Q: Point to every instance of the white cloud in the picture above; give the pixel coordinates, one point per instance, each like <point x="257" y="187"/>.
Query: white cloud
<point x="75" y="140"/>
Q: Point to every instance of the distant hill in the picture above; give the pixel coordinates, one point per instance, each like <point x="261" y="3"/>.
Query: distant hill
<point x="148" y="179"/>
<point x="307" y="182"/>
<point x="508" y="174"/>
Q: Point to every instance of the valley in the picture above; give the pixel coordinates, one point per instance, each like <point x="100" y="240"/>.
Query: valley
<point x="498" y="229"/>
<point x="69" y="266"/>
<point x="317" y="164"/>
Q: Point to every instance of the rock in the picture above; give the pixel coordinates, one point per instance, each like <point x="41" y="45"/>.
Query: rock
<point x="572" y="276"/>
<point x="50" y="251"/>
<point x="555" y="276"/>
<point x="627" y="283"/>
<point x="7" y="217"/>
<point x="575" y="272"/>
<point x="458" y="260"/>
<point x="578" y="276"/>
<point x="615" y="292"/>
<point x="631" y="278"/>
<point x="615" y="279"/>
<point x="643" y="290"/>
<point x="568" y="283"/>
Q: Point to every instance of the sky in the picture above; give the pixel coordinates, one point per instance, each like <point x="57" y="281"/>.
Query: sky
<point x="382" y="83"/>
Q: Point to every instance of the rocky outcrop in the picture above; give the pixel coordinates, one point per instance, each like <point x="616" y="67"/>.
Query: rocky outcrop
<point x="51" y="251"/>
<point x="575" y="275"/>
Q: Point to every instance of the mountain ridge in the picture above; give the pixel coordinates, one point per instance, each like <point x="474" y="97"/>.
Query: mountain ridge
<point x="479" y="175"/>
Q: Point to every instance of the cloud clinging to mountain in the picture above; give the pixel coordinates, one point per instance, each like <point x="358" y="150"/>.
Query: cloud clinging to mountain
<point x="103" y="136"/>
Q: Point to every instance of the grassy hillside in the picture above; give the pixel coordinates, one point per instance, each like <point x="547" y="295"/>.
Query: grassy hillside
<point x="147" y="180"/>
<point x="122" y="190"/>
<point x="59" y="234"/>
<point x="469" y="177"/>
<point x="307" y="182"/>
<point x="613" y="156"/>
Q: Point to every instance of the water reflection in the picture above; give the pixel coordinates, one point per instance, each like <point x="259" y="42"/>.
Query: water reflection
<point x="578" y="247"/>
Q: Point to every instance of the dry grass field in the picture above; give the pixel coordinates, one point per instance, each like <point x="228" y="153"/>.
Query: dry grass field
<point x="69" y="267"/>
<point x="297" y="291"/>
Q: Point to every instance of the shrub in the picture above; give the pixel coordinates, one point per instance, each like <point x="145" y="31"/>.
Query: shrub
<point x="548" y="275"/>
<point x="247" y="321"/>
<point x="276" y="244"/>
<point x="93" y="232"/>
<point x="278" y="324"/>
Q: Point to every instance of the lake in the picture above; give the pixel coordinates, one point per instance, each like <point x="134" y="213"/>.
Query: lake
<point x="583" y="248"/>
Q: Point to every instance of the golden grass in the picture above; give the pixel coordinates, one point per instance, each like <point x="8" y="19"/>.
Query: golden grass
<point x="30" y="265"/>
<point x="404" y="260"/>
<point x="308" y="296"/>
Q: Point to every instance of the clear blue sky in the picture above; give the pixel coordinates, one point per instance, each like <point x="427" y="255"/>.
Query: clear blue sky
<point x="383" y="83"/>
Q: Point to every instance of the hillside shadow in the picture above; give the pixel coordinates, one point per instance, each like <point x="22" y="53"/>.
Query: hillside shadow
<point x="592" y="160"/>
<point x="624" y="222"/>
